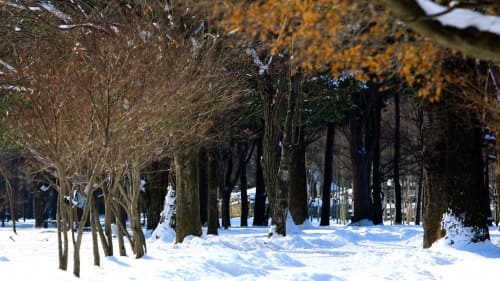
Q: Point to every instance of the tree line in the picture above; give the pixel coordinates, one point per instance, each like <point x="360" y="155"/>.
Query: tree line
<point x="98" y="96"/>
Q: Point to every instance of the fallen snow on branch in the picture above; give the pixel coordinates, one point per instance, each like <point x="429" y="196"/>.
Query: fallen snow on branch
<point x="256" y="60"/>
<point x="49" y="7"/>
<point x="8" y="66"/>
<point x="461" y="18"/>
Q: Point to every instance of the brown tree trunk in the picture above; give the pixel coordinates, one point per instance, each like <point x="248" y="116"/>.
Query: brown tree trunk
<point x="202" y="176"/>
<point x="120" y="220"/>
<point x="94" y="222"/>
<point x="453" y="171"/>
<point x="327" y="175"/>
<point x="41" y="199"/>
<point x="278" y="197"/>
<point x="62" y="222"/>
<point x="397" y="156"/>
<point x="187" y="204"/>
<point x="497" y="180"/>
<point x="271" y="149"/>
<point x="420" y="120"/>
<point x="259" y="218"/>
<point x="107" y="238"/>
<point x="139" y="240"/>
<point x="243" y="148"/>
<point x="156" y="176"/>
<point x="435" y="177"/>
<point x="79" y="236"/>
<point x="10" y="196"/>
<point x="226" y="159"/>
<point x="361" y="147"/>
<point x="212" y="213"/>
<point x="377" y="196"/>
<point x="465" y="187"/>
<point x="297" y="195"/>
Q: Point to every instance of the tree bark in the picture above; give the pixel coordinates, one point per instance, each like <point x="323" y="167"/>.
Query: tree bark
<point x="79" y="237"/>
<point x="271" y="140"/>
<point x="259" y="218"/>
<point x="212" y="213"/>
<point x="94" y="222"/>
<point x="226" y="159"/>
<point x="297" y="195"/>
<point x="361" y="147"/>
<point x="157" y="181"/>
<point x="40" y="199"/>
<point x="243" y="149"/>
<point x="420" y="120"/>
<point x="120" y="220"/>
<point x="202" y="175"/>
<point x="62" y="222"/>
<point x="139" y="241"/>
<point x="327" y="175"/>
<point x="279" y="197"/>
<point x="466" y="186"/>
<point x="397" y="156"/>
<point x="453" y="171"/>
<point x="377" y="196"/>
<point x="187" y="205"/>
<point x="435" y="177"/>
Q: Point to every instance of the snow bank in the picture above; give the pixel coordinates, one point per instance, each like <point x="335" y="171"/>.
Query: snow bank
<point x="165" y="231"/>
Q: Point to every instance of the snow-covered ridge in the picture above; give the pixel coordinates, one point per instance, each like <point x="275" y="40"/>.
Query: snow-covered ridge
<point x="461" y="18"/>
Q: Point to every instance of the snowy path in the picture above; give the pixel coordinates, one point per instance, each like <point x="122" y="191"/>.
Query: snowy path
<point x="332" y="253"/>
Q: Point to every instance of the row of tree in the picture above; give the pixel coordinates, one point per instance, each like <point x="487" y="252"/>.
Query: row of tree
<point x="96" y="92"/>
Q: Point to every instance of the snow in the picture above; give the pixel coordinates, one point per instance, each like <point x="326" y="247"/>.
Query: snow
<point x="49" y="7"/>
<point x="8" y="66"/>
<point x="263" y="68"/>
<point x="461" y="18"/>
<point x="337" y="252"/>
<point x="165" y="231"/>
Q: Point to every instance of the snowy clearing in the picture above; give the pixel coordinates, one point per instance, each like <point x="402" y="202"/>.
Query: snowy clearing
<point x="328" y="253"/>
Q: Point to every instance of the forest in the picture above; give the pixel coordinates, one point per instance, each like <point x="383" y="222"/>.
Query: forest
<point x="123" y="117"/>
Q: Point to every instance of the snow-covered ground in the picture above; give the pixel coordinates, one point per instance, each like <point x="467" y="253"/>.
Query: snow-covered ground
<point x="319" y="253"/>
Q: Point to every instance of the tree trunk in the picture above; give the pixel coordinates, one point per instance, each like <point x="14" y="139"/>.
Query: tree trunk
<point x="187" y="205"/>
<point x="40" y="199"/>
<point x="327" y="175"/>
<point x="139" y="241"/>
<point x="435" y="177"/>
<point x="397" y="156"/>
<point x="259" y="218"/>
<point x="243" y="148"/>
<point x="226" y="159"/>
<point x="361" y="147"/>
<point x="202" y="176"/>
<point x="212" y="213"/>
<point x="10" y="197"/>
<point x="486" y="196"/>
<point x="62" y="223"/>
<point x="107" y="238"/>
<point x="453" y="172"/>
<point x="420" y="121"/>
<point x="95" y="224"/>
<point x="497" y="179"/>
<point x="377" y="196"/>
<point x="465" y="187"/>
<point x="271" y="149"/>
<point x="297" y="196"/>
<point x="79" y="237"/>
<point x="278" y="198"/>
<point x="120" y="220"/>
